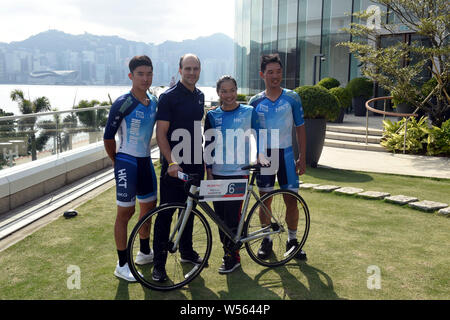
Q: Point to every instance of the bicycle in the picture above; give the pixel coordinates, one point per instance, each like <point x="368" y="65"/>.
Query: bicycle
<point x="250" y="232"/>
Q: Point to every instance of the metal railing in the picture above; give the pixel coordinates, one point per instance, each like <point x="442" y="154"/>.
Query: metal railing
<point x="16" y="132"/>
<point x="387" y="113"/>
<point x="19" y="133"/>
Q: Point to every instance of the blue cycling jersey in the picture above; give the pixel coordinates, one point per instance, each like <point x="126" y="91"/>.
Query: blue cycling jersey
<point x="281" y="114"/>
<point x="232" y="149"/>
<point x="134" y="123"/>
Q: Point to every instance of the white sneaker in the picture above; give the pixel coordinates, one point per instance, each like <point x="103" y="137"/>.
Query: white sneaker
<point x="142" y="258"/>
<point x="124" y="273"/>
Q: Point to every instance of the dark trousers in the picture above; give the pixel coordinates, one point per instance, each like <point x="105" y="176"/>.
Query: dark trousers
<point x="171" y="190"/>
<point x="230" y="213"/>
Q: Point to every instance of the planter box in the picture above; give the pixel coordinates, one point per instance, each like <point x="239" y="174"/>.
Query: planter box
<point x="359" y="106"/>
<point x="315" y="139"/>
<point x="404" y="108"/>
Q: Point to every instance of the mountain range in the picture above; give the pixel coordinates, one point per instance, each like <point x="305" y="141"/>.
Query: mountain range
<point x="101" y="59"/>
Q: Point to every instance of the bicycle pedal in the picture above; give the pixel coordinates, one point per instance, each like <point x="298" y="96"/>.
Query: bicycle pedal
<point x="171" y="248"/>
<point x="275" y="226"/>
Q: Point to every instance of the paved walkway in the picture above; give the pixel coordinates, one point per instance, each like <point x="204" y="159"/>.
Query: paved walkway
<point x="382" y="162"/>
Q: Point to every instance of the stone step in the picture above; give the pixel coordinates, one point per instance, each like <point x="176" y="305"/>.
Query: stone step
<point x="354" y="130"/>
<point x="354" y="145"/>
<point x="352" y="137"/>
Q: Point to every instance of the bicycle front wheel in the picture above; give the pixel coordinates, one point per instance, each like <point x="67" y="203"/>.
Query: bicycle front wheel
<point x="276" y="213"/>
<point x="178" y="273"/>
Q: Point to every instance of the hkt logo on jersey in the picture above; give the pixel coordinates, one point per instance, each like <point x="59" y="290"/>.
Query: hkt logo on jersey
<point x="122" y="177"/>
<point x="140" y="114"/>
<point x="234" y="139"/>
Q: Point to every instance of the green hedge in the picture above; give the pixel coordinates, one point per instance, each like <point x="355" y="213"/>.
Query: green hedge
<point x="360" y="87"/>
<point x="343" y="95"/>
<point x="241" y="97"/>
<point x="318" y="103"/>
<point x="329" y="83"/>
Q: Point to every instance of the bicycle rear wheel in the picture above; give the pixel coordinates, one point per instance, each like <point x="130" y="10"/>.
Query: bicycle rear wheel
<point x="271" y="214"/>
<point x="178" y="273"/>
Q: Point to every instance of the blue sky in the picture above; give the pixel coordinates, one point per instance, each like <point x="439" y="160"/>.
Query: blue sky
<point x="152" y="21"/>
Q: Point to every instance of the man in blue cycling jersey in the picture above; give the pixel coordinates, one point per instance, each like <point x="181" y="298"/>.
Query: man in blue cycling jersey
<point x="280" y="110"/>
<point x="133" y="117"/>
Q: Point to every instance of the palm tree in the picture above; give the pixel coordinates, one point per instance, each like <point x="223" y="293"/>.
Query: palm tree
<point x="26" y="106"/>
<point x="61" y="130"/>
<point x="93" y="120"/>
<point x="7" y="131"/>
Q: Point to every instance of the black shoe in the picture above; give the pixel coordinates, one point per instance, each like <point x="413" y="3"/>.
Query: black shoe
<point x="159" y="274"/>
<point x="301" y="255"/>
<point x="192" y="257"/>
<point x="230" y="263"/>
<point x="265" y="249"/>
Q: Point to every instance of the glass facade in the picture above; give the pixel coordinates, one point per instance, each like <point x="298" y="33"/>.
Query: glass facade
<point x="303" y="32"/>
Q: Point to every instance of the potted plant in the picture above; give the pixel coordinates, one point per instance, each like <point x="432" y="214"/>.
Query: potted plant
<point x="401" y="105"/>
<point x="329" y="83"/>
<point x="344" y="97"/>
<point x="241" y="97"/>
<point x="426" y="89"/>
<point x="319" y="106"/>
<point x="361" y="89"/>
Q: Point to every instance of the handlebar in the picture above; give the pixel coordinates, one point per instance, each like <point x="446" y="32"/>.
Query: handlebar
<point x="192" y="179"/>
<point x="254" y="167"/>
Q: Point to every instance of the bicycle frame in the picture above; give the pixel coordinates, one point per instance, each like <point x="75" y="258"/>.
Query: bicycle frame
<point x="235" y="237"/>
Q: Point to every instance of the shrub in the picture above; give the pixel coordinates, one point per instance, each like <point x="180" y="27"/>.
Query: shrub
<point x="329" y="83"/>
<point x="416" y="135"/>
<point x="360" y="87"/>
<point x="93" y="119"/>
<point x="317" y="103"/>
<point x="420" y="138"/>
<point x="439" y="140"/>
<point x="343" y="95"/>
<point x="241" y="97"/>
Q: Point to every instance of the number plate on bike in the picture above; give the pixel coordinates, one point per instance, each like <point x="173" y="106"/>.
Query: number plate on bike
<point x="223" y="190"/>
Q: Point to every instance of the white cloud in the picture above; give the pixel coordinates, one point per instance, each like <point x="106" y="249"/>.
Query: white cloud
<point x="140" y="20"/>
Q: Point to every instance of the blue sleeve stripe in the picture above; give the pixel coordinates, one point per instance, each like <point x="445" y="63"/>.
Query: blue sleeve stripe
<point x="297" y="109"/>
<point x="114" y="119"/>
<point x="122" y="107"/>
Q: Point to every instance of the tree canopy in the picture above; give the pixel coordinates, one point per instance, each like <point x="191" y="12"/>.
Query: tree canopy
<point x="399" y="68"/>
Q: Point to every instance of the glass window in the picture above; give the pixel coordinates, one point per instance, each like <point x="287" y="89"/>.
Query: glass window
<point x="270" y="26"/>
<point x="242" y="43"/>
<point x="256" y="33"/>
<point x="359" y="5"/>
<point x="309" y="29"/>
<point x="336" y="15"/>
<point x="287" y="41"/>
<point x="238" y="56"/>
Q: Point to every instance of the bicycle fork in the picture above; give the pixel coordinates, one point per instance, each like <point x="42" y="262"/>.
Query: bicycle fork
<point x="181" y="223"/>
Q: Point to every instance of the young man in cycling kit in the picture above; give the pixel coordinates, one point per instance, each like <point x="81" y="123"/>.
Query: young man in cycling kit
<point x="180" y="109"/>
<point x="280" y="109"/>
<point x="234" y="123"/>
<point x="133" y="117"/>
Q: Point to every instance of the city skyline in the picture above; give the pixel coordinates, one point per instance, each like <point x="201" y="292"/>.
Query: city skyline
<point x="48" y="57"/>
<point x="137" y="20"/>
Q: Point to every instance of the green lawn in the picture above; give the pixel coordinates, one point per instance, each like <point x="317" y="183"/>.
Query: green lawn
<point x="348" y="235"/>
